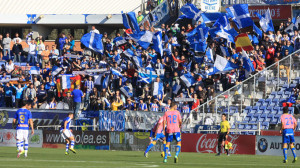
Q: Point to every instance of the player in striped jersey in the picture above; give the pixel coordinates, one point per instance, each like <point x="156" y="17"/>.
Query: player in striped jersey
<point x="23" y="118"/>
<point x="66" y="133"/>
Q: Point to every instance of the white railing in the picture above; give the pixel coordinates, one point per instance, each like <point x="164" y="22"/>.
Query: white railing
<point x="256" y="87"/>
<point x="236" y="130"/>
<point x="57" y="127"/>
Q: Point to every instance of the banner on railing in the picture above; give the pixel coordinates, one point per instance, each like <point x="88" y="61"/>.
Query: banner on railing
<point x="134" y="141"/>
<point x="272" y="145"/>
<point x="278" y="12"/>
<point x="90" y="139"/>
<point x="40" y="117"/>
<point x="160" y="13"/>
<point x="8" y="138"/>
<point x="112" y="121"/>
<point x="139" y="120"/>
<point x="208" y="143"/>
<point x="210" y="5"/>
<point x="258" y="2"/>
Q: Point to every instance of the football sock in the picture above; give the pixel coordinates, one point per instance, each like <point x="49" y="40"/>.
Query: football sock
<point x="219" y="146"/>
<point x="293" y="151"/>
<point x="227" y="152"/>
<point x="22" y="145"/>
<point x="285" y="153"/>
<point x="150" y="146"/>
<point x="18" y="145"/>
<point x="26" y="148"/>
<point x="164" y="145"/>
<point x="178" y="147"/>
<point x="72" y="144"/>
<point x="67" y="147"/>
<point x="167" y="149"/>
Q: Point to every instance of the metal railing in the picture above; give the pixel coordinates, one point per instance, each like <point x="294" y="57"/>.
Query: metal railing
<point x="56" y="127"/>
<point x="246" y="93"/>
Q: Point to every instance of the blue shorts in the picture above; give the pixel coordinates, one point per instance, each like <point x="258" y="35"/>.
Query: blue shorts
<point x="288" y="136"/>
<point x="176" y="136"/>
<point x="158" y="136"/>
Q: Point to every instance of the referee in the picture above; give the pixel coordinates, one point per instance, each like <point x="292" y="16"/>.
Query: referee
<point x="224" y="131"/>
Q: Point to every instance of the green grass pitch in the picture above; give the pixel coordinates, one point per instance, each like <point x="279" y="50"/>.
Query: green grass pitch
<point x="55" y="158"/>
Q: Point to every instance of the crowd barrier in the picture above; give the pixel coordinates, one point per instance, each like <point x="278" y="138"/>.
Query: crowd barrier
<point x="138" y="141"/>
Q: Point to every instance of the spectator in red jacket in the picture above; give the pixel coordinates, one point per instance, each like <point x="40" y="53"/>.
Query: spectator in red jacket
<point x="270" y="55"/>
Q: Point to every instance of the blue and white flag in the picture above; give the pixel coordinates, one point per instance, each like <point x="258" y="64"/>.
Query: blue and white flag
<point x="222" y="65"/>
<point x="198" y="46"/>
<point x="229" y="35"/>
<point x="66" y="81"/>
<point x="182" y="17"/>
<point x="240" y="15"/>
<point x="158" y="89"/>
<point x="247" y="64"/>
<point x="126" y="91"/>
<point x="176" y="88"/>
<point x="188" y="79"/>
<point x="105" y="82"/>
<point x="255" y="40"/>
<point x="56" y="70"/>
<point x="202" y="32"/>
<point x="130" y="21"/>
<point x="191" y="11"/>
<point x="265" y="21"/>
<point x="257" y="31"/>
<point x="116" y="72"/>
<point x="137" y="61"/>
<point x="224" y="22"/>
<point x="128" y="53"/>
<point x="119" y="41"/>
<point x="157" y="43"/>
<point x="143" y="38"/>
<point x="211" y="17"/>
<point x="118" y="59"/>
<point x="209" y="54"/>
<point x="107" y="103"/>
<point x="224" y="51"/>
<point x="93" y="41"/>
<point x="34" y="70"/>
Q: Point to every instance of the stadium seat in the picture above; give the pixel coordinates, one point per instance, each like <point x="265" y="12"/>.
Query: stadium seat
<point x="262" y="118"/>
<point x="248" y="108"/>
<point x="291" y="110"/>
<point x="265" y="126"/>
<point x="241" y="126"/>
<point x="248" y="117"/>
<point x="255" y="108"/>
<point x="269" y="118"/>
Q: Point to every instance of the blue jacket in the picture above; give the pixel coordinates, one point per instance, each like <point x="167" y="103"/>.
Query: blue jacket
<point x="62" y="42"/>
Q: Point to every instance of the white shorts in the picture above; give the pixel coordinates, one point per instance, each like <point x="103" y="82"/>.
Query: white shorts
<point x="22" y="134"/>
<point x="66" y="134"/>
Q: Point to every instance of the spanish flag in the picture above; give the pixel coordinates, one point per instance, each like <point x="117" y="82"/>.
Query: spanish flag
<point x="76" y="80"/>
<point x="242" y="41"/>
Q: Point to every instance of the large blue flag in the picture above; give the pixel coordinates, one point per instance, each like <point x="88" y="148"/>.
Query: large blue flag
<point x="257" y="31"/>
<point x="240" y="15"/>
<point x="265" y="21"/>
<point x="198" y="46"/>
<point x="209" y="54"/>
<point x="211" y="17"/>
<point x="93" y="41"/>
<point x="188" y="79"/>
<point x="105" y="82"/>
<point x="202" y="32"/>
<point x="224" y="22"/>
<point x="227" y="34"/>
<point x="222" y="65"/>
<point x="143" y="38"/>
<point x="247" y="64"/>
<point x="191" y="11"/>
<point x="157" y="43"/>
<point x="119" y="41"/>
<point x="130" y="21"/>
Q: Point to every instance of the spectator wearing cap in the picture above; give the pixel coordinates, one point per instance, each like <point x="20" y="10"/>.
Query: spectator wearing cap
<point x="77" y="95"/>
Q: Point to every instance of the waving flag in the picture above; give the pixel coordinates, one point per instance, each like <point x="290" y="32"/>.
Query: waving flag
<point x="66" y="81"/>
<point x="242" y="41"/>
<point x="247" y="64"/>
<point x="202" y="32"/>
<point x="227" y="34"/>
<point x="157" y="43"/>
<point x="224" y="22"/>
<point x="93" y="41"/>
<point x="182" y="17"/>
<point x="128" y="53"/>
<point x="143" y="38"/>
<point x="209" y="54"/>
<point x="191" y="11"/>
<point x="211" y="17"/>
<point x="257" y="31"/>
<point x="34" y="70"/>
<point x="119" y="41"/>
<point x="126" y="91"/>
<point x="137" y="61"/>
<point x="223" y="65"/>
<point x="188" y="79"/>
<point x="158" y="89"/>
<point x="265" y="21"/>
<point x="105" y="82"/>
<point x="199" y="46"/>
<point x="240" y="15"/>
<point x="130" y="21"/>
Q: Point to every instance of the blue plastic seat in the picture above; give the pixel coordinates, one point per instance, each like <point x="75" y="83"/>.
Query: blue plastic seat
<point x="262" y="118"/>
<point x="280" y="93"/>
<point x="265" y="125"/>
<point x="255" y="108"/>
<point x="248" y="107"/>
<point x="248" y="117"/>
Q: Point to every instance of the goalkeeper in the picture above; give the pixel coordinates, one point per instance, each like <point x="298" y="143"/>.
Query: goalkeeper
<point x="223" y="135"/>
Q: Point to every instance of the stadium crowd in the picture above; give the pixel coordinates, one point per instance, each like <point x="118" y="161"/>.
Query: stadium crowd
<point x="178" y="58"/>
